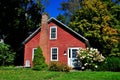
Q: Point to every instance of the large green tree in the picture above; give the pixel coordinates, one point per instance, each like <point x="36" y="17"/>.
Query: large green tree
<point x="18" y="18"/>
<point x="95" y="22"/>
<point x="113" y="7"/>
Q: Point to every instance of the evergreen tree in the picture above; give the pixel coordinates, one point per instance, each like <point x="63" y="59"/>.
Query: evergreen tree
<point x="39" y="60"/>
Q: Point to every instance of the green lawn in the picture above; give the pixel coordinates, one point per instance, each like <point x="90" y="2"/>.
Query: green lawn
<point x="28" y="74"/>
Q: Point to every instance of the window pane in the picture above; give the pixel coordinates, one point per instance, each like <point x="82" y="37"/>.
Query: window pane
<point x="53" y="29"/>
<point x="53" y="35"/>
<point x="69" y="53"/>
<point x="74" y="53"/>
<point x="54" y="57"/>
<point x="54" y="50"/>
<point x="35" y="50"/>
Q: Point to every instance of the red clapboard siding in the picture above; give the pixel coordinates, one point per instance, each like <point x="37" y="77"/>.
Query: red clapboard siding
<point x="33" y="43"/>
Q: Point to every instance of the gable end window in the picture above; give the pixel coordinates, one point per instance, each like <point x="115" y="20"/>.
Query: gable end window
<point x="54" y="54"/>
<point x="53" y="32"/>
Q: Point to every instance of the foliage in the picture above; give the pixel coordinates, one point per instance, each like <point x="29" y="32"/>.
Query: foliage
<point x="39" y="60"/>
<point x="28" y="74"/>
<point x="110" y="64"/>
<point x="6" y="55"/>
<point x="90" y="58"/>
<point x="59" y="66"/>
<point x="61" y="18"/>
<point x="68" y="8"/>
<point x="18" y="18"/>
<point x="113" y="63"/>
<point x="97" y="24"/>
<point x="115" y="51"/>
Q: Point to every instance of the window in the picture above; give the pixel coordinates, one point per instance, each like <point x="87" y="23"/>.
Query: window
<point x="33" y="52"/>
<point x="53" y="32"/>
<point x="54" y="54"/>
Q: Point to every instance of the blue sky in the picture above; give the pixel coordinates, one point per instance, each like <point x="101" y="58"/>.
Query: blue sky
<point x="52" y="8"/>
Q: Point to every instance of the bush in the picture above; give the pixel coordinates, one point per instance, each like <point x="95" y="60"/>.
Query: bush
<point x="39" y="60"/>
<point x="90" y="58"/>
<point x="58" y="66"/>
<point x="7" y="56"/>
<point x="111" y="64"/>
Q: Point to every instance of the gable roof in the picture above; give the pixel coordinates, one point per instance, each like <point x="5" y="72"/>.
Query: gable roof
<point x="53" y="19"/>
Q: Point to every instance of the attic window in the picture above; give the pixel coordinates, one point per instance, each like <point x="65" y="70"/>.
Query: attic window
<point x="53" y="32"/>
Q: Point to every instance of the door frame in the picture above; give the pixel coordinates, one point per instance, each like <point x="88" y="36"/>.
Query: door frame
<point x="71" y="55"/>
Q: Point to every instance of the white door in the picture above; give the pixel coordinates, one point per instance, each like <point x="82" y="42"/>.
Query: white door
<point x="72" y="57"/>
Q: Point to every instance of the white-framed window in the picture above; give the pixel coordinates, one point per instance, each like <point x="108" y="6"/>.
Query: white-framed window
<point x="33" y="52"/>
<point x="54" y="54"/>
<point x="53" y="32"/>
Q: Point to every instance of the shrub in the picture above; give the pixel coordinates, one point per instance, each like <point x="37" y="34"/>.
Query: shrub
<point x="39" y="60"/>
<point x="7" y="56"/>
<point x="90" y="58"/>
<point x="111" y="64"/>
<point x="58" y="66"/>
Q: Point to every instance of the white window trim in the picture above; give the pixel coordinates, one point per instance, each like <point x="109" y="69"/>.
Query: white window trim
<point x="50" y="32"/>
<point x="33" y="53"/>
<point x="51" y="53"/>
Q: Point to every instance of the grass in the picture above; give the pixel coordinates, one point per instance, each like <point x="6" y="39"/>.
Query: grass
<point x="28" y="74"/>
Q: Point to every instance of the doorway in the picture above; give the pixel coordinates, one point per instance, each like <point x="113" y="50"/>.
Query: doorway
<point x="72" y="58"/>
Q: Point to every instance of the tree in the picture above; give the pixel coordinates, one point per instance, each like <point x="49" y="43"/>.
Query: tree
<point x="113" y="7"/>
<point x="39" y="60"/>
<point x="61" y="18"/>
<point x="69" y="7"/>
<point x="94" y="21"/>
<point x="6" y="55"/>
<point x="18" y="19"/>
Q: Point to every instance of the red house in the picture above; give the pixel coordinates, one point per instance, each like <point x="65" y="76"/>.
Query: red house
<point x="58" y="43"/>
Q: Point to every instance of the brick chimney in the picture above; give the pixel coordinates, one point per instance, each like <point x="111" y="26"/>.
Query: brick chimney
<point x="44" y="36"/>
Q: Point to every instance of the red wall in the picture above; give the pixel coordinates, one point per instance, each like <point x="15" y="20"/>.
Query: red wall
<point x="33" y="43"/>
<point x="64" y="41"/>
